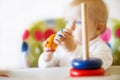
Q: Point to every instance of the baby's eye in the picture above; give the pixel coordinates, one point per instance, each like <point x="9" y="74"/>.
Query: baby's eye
<point x="68" y="23"/>
<point x="78" y="23"/>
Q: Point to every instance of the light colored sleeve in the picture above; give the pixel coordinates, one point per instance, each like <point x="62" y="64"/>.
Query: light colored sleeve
<point x="104" y="53"/>
<point x="52" y="63"/>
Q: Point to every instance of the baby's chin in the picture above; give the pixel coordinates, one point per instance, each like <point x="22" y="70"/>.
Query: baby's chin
<point x="78" y="42"/>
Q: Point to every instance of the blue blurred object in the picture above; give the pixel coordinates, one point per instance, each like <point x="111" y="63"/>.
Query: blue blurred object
<point x="92" y="63"/>
<point x="109" y="45"/>
<point x="24" y="47"/>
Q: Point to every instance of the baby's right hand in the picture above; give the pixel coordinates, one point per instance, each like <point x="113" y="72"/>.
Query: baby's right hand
<point x="49" y="47"/>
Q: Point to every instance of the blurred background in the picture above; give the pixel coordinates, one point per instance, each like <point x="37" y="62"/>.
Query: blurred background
<point x="17" y="15"/>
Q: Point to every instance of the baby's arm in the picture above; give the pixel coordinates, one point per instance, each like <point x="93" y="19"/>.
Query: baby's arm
<point x="51" y="63"/>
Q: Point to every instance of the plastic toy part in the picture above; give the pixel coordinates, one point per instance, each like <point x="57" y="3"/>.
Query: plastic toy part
<point x="38" y="35"/>
<point x="116" y="52"/>
<point x="86" y="72"/>
<point x="50" y="43"/>
<point x="106" y="35"/>
<point x="118" y="32"/>
<point x="109" y="45"/>
<point x="24" y="47"/>
<point x="92" y="63"/>
<point x="26" y="34"/>
<point x="36" y="50"/>
<point x="48" y="32"/>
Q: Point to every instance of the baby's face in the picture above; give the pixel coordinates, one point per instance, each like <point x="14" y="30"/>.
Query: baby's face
<point x="73" y="19"/>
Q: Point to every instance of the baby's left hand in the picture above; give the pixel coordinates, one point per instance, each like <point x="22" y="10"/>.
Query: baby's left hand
<point x="66" y="40"/>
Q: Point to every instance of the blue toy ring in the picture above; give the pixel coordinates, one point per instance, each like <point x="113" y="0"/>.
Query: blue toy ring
<point x="92" y="63"/>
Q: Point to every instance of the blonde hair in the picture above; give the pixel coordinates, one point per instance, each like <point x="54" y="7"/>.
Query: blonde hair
<point x="97" y="10"/>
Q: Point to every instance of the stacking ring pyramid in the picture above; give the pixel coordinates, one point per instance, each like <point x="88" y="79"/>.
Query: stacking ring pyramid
<point x="86" y="66"/>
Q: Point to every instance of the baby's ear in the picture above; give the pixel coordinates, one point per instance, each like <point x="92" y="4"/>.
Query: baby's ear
<point x="100" y="28"/>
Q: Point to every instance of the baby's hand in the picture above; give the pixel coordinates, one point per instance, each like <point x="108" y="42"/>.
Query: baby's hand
<point x="65" y="39"/>
<point x="49" y="47"/>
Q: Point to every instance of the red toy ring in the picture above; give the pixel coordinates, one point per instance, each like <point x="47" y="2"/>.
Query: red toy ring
<point x="86" y="72"/>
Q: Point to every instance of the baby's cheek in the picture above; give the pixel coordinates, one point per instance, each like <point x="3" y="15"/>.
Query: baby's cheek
<point x="77" y="36"/>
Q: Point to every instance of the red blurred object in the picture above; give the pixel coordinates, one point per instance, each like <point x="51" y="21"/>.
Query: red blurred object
<point x="86" y="72"/>
<point x="106" y="35"/>
<point x="26" y="34"/>
<point x="38" y="35"/>
<point x="48" y="32"/>
<point x="118" y="32"/>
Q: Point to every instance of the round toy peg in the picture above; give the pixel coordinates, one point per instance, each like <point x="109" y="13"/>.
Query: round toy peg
<point x="86" y="72"/>
<point x="91" y="63"/>
<point x="84" y="21"/>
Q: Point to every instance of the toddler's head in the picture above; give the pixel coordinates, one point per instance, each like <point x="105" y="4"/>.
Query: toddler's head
<point x="97" y="18"/>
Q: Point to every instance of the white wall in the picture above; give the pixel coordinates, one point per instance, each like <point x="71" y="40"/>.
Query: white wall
<point x="17" y="15"/>
<point x="114" y="8"/>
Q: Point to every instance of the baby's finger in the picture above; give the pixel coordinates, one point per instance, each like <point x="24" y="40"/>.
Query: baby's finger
<point x="67" y="31"/>
<point x="58" y="40"/>
<point x="65" y="35"/>
<point x="45" y="43"/>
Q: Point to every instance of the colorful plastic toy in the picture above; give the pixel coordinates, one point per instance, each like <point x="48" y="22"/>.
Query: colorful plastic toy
<point x="114" y="41"/>
<point x="50" y="43"/>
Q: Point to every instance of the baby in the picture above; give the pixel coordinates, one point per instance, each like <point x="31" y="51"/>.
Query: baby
<point x="70" y="40"/>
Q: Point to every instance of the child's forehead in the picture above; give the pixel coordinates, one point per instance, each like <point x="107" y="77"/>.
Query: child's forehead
<point x="76" y="8"/>
<point x="73" y="12"/>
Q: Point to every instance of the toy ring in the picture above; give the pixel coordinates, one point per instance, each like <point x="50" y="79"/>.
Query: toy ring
<point x="92" y="63"/>
<point x="86" y="72"/>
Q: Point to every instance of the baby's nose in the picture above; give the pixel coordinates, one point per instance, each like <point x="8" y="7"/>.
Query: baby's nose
<point x="72" y="26"/>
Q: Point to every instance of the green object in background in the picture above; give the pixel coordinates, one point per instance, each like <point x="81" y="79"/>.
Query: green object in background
<point x="116" y="53"/>
<point x="33" y="56"/>
<point x="114" y="25"/>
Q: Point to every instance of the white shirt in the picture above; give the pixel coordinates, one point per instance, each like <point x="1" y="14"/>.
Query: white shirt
<point x="61" y="58"/>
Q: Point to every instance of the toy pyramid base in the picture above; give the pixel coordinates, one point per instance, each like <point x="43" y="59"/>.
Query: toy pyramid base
<point x="87" y="72"/>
